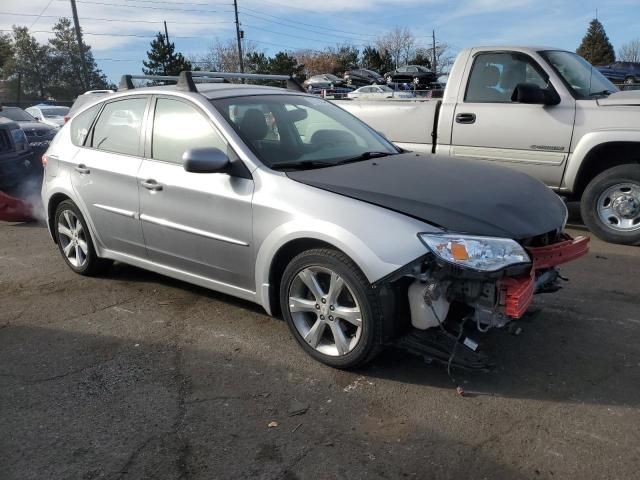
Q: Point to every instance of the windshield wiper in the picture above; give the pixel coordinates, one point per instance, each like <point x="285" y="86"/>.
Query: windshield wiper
<point x="364" y="156"/>
<point x="302" y="164"/>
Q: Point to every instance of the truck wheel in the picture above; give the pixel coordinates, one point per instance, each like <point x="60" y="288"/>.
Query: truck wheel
<point x="331" y="309"/>
<point x="629" y="81"/>
<point x="610" y="205"/>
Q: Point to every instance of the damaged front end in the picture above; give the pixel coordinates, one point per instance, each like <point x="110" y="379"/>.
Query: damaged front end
<point x="479" y="283"/>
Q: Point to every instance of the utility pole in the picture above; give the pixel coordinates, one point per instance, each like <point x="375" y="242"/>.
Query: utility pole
<point x="166" y="42"/>
<point x="166" y="33"/>
<point x="435" y="66"/>
<point x="239" y="36"/>
<point x="83" y="60"/>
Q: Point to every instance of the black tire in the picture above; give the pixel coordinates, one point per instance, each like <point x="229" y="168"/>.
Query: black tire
<point x="589" y="204"/>
<point x="370" y="341"/>
<point x="93" y="264"/>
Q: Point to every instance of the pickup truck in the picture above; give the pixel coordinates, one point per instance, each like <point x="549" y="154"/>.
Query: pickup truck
<point x="543" y="111"/>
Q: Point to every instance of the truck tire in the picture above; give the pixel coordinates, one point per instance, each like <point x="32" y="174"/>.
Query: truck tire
<point x="331" y="309"/>
<point x="610" y="205"/>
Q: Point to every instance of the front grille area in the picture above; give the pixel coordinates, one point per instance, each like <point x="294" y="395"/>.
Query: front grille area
<point x="548" y="238"/>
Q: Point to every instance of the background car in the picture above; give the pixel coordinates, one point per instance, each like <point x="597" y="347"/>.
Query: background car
<point x="361" y="77"/>
<point x="39" y="135"/>
<point x="622" y="72"/>
<point x="331" y="85"/>
<point x="415" y="74"/>
<point x="49" y="114"/>
<point x="15" y="155"/>
<point x="378" y="92"/>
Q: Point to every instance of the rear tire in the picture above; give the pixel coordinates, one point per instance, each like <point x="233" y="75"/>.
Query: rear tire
<point x="75" y="242"/>
<point x="338" y="320"/>
<point x="610" y="205"/>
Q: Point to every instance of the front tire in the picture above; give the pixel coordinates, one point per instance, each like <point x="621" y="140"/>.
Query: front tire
<point x="610" y="205"/>
<point x="75" y="242"/>
<point x="331" y="309"/>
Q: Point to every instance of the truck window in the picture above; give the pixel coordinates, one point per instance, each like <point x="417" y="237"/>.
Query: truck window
<point x="494" y="76"/>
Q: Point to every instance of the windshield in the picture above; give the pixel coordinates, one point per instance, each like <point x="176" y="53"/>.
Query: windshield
<point x="16" y="114"/>
<point x="50" y="112"/>
<point x="579" y="75"/>
<point x="298" y="129"/>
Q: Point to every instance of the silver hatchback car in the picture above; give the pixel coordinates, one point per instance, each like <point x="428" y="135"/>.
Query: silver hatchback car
<point x="286" y="200"/>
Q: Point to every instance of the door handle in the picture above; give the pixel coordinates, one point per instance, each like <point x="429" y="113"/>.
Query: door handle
<point x="151" y="185"/>
<point x="82" y="168"/>
<point x="466" y="118"/>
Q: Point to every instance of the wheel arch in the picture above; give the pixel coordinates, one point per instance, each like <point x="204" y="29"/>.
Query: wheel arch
<point x="600" y="156"/>
<point x="55" y="200"/>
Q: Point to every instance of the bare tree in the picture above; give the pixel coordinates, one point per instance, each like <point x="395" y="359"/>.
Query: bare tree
<point x="630" y="51"/>
<point x="223" y="56"/>
<point x="400" y="43"/>
<point x="444" y="57"/>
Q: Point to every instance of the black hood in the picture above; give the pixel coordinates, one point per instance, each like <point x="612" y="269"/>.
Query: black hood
<point x="464" y="196"/>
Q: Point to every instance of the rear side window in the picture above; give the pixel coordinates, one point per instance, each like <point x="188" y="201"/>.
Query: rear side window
<point x="178" y="127"/>
<point x="81" y="124"/>
<point x="118" y="127"/>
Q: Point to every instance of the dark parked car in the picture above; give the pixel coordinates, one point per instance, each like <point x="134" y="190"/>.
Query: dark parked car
<point x="622" y="72"/>
<point x="38" y="134"/>
<point x="15" y="155"/>
<point x="362" y="77"/>
<point x="418" y="75"/>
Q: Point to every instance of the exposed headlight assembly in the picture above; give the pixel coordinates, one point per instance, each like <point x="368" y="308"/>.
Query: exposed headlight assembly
<point x="484" y="254"/>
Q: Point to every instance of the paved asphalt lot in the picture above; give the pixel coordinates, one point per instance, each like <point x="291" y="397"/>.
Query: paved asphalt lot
<point x="134" y="376"/>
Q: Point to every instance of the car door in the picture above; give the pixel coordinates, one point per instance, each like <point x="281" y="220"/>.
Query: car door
<point x="487" y="125"/>
<point x="200" y="223"/>
<point x="105" y="171"/>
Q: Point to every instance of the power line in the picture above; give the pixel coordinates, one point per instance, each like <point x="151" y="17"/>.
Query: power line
<point x="41" y="13"/>
<point x="179" y="3"/>
<point x="164" y="9"/>
<point x="115" y="19"/>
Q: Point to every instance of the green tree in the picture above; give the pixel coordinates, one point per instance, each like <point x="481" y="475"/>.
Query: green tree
<point x="66" y="61"/>
<point x="346" y="57"/>
<point x="283" y="63"/>
<point x="6" y="50"/>
<point x="163" y="60"/>
<point x="373" y="59"/>
<point x="31" y="62"/>
<point x="255" y="62"/>
<point x="596" y="47"/>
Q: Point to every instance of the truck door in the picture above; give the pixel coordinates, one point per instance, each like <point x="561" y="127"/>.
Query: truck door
<point x="488" y="126"/>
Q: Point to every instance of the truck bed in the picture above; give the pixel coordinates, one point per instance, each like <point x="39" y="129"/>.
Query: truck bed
<point x="407" y="123"/>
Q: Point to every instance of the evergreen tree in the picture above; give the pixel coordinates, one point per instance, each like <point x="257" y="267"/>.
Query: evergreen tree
<point x="66" y="61"/>
<point x="163" y="60"/>
<point x="255" y="62"/>
<point x="596" y="47"/>
<point x="32" y="61"/>
<point x="421" y="57"/>
<point x="373" y="59"/>
<point x="283" y="64"/>
<point x="6" y="50"/>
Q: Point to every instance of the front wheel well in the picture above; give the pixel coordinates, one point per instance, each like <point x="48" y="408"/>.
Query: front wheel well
<point x="282" y="258"/>
<point x="54" y="201"/>
<point x="603" y="157"/>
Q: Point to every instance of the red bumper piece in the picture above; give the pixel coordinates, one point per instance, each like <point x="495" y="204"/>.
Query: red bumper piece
<point x="518" y="292"/>
<point x="14" y="210"/>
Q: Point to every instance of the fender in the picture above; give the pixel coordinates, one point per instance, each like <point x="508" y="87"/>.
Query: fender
<point x="587" y="143"/>
<point x="364" y="257"/>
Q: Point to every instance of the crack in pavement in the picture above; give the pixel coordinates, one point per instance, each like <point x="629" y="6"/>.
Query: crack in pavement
<point x="55" y="377"/>
<point x="124" y="470"/>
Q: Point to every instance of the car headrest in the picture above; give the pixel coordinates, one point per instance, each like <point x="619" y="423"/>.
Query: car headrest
<point x="253" y="124"/>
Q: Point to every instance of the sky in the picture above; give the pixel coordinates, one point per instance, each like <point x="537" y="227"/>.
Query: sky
<point x="119" y="31"/>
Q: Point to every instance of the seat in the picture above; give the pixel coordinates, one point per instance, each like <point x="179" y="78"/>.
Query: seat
<point x="253" y="125"/>
<point x="483" y="83"/>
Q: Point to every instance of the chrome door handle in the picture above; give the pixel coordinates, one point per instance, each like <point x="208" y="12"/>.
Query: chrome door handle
<point x="151" y="185"/>
<point x="82" y="168"/>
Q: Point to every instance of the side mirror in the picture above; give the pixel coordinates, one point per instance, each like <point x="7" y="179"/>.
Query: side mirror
<point x="530" y="93"/>
<point x="205" y="160"/>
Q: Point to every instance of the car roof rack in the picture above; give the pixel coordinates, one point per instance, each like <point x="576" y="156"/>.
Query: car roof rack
<point x="126" y="82"/>
<point x="186" y="79"/>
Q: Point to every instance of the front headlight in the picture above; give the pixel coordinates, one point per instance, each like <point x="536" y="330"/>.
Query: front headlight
<point x="485" y="254"/>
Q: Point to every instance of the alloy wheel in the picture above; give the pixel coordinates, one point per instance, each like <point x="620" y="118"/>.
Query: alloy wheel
<point x="325" y="311"/>
<point x="72" y="239"/>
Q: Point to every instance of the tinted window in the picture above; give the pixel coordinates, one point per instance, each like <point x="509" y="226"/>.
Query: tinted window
<point x="178" y="127"/>
<point x="494" y="76"/>
<point x="118" y="127"/>
<point x="81" y="124"/>
<point x="16" y="114"/>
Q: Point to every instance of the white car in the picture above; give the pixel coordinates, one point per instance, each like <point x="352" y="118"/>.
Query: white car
<point x="49" y="114"/>
<point x="377" y="92"/>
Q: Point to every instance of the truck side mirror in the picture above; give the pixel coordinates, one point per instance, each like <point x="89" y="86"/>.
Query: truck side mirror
<point x="530" y="93"/>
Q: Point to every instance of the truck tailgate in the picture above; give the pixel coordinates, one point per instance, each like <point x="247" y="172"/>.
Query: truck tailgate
<point x="407" y="123"/>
